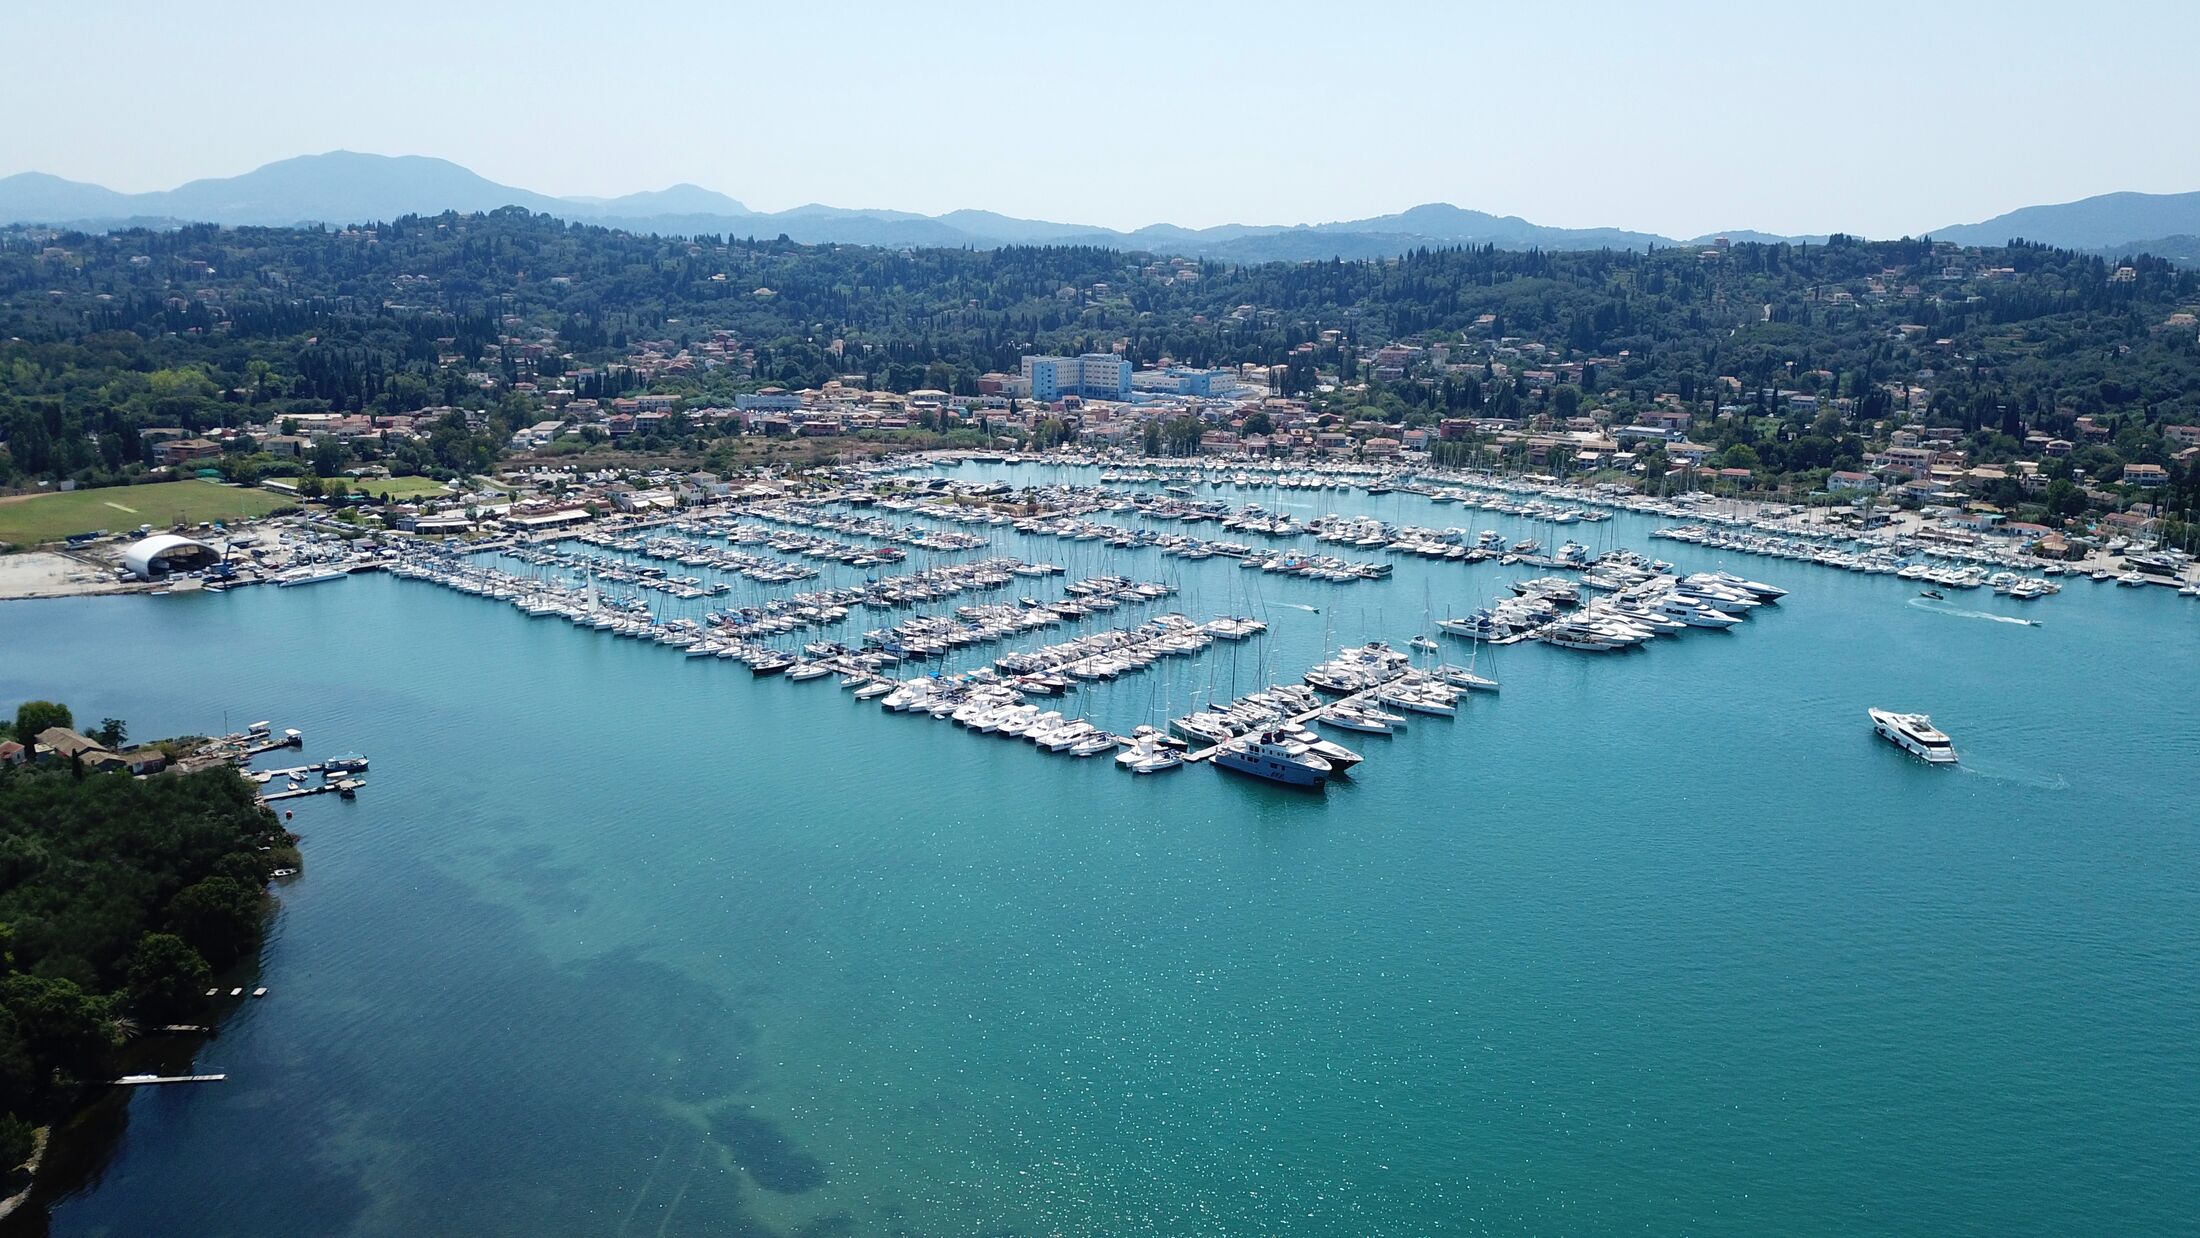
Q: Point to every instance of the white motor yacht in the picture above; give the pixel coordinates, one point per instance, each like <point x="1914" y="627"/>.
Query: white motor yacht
<point x="1571" y="635"/>
<point x="1276" y="757"/>
<point x="1341" y="759"/>
<point x="1914" y="734"/>
<point x="1757" y="589"/>
<point x="1685" y="610"/>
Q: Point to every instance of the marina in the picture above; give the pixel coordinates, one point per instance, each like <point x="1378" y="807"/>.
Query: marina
<point x="726" y="607"/>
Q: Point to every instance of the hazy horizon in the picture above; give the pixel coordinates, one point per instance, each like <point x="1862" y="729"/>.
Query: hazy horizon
<point x="1692" y="120"/>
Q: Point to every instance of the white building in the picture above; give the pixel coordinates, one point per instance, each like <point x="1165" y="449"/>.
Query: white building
<point x="162" y="553"/>
<point x="1185" y="380"/>
<point x="1096" y="375"/>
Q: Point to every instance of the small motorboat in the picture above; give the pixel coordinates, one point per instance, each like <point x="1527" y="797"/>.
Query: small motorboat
<point x="1934" y="594"/>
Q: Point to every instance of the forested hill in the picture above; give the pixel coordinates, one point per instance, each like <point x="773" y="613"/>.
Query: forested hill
<point x="104" y="334"/>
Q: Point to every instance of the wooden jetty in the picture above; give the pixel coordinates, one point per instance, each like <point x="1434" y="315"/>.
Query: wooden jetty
<point x="289" y="739"/>
<point x="346" y="787"/>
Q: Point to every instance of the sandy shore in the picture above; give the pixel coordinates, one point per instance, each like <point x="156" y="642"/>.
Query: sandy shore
<point x="42" y="574"/>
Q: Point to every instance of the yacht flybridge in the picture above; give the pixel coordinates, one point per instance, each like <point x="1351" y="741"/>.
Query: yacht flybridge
<point x="1914" y="734"/>
<point x="1275" y="756"/>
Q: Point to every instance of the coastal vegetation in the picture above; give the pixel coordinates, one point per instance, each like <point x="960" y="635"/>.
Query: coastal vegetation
<point x="113" y="340"/>
<point x="119" y="899"/>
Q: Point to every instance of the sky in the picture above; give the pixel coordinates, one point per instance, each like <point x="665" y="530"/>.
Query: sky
<point x="1678" y="118"/>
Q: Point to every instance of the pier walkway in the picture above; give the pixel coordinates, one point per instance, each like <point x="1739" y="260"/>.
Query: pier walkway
<point x="1092" y="665"/>
<point x="1361" y="697"/>
<point x="346" y="787"/>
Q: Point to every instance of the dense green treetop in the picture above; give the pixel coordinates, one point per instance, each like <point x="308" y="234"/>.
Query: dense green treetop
<point x="118" y="896"/>
<point x="102" y="336"/>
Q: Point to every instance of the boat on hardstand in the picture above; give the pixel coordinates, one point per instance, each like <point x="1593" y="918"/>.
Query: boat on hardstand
<point x="1914" y="734"/>
<point x="1277" y="757"/>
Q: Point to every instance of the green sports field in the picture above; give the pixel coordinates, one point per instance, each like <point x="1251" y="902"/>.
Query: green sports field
<point x="31" y="519"/>
<point x="399" y="488"/>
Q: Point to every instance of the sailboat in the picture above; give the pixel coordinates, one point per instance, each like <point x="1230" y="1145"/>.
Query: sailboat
<point x="1467" y="677"/>
<point x="1425" y="642"/>
<point x="1148" y="749"/>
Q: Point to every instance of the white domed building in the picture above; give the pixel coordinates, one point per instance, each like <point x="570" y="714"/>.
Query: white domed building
<point x="162" y="553"/>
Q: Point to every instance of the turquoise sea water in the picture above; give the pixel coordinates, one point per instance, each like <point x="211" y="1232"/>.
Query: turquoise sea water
<point x="1659" y="943"/>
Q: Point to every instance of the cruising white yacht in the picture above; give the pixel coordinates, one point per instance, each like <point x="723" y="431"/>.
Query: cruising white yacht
<point x="1914" y="734"/>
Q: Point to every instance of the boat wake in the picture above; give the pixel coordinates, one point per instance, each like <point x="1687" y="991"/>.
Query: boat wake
<point x="1957" y="612"/>
<point x="1311" y="610"/>
<point x="2023" y="778"/>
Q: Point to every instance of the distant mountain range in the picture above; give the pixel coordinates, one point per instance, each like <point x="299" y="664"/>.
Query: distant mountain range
<point x="344" y="187"/>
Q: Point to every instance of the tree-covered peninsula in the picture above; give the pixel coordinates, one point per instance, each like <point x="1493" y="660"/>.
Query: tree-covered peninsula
<point x="120" y="896"/>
